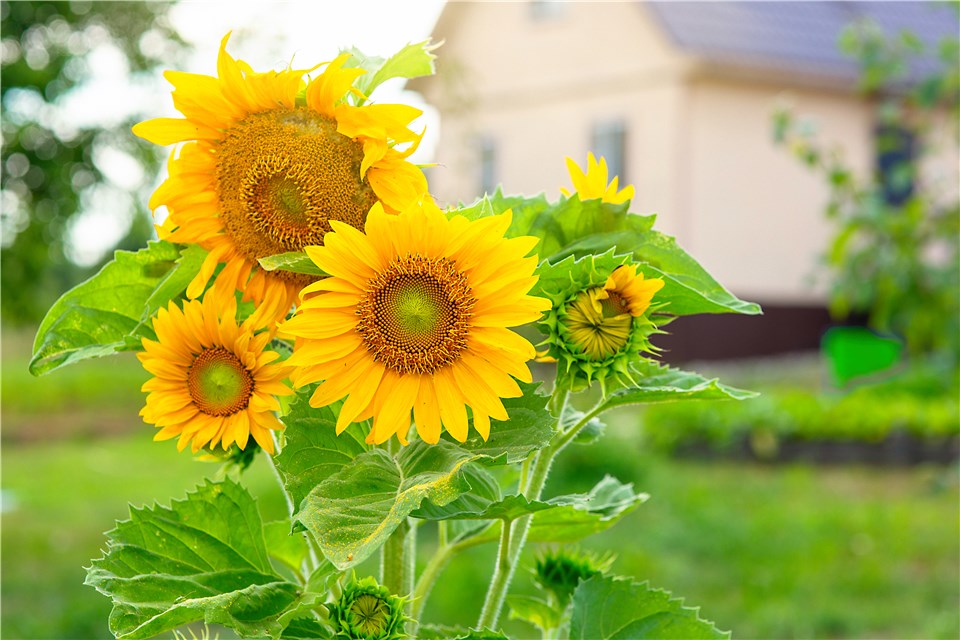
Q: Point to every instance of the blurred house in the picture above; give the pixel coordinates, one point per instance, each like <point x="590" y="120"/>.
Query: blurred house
<point x="678" y="96"/>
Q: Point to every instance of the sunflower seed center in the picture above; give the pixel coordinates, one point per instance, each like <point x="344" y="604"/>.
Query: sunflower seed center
<point x="414" y="317"/>
<point x="218" y="382"/>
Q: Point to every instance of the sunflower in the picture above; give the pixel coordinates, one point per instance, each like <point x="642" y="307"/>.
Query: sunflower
<point x="263" y="171"/>
<point x="213" y="381"/>
<point x="593" y="183"/>
<point x="415" y="318"/>
<point x="599" y="320"/>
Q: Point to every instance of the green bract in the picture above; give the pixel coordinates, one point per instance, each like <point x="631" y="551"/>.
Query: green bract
<point x="563" y="283"/>
<point x="367" y="611"/>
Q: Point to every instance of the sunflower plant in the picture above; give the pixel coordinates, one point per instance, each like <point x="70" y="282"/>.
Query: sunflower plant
<point x="308" y="303"/>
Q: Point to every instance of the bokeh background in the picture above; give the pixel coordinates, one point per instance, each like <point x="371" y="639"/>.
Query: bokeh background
<point x="806" y="153"/>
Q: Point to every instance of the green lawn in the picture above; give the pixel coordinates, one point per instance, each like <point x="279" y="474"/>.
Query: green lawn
<point x="766" y="551"/>
<point x="769" y="552"/>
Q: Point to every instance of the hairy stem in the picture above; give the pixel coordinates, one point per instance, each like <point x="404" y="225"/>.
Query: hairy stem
<point x="533" y="476"/>
<point x="393" y="562"/>
<point x="502" y="574"/>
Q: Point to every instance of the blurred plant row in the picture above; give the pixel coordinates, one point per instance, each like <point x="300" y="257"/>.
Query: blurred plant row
<point x="919" y="403"/>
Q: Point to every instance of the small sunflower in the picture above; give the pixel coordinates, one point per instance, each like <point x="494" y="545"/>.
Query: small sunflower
<point x="264" y="171"/>
<point x="415" y="318"/>
<point x="593" y="183"/>
<point x="213" y="381"/>
<point x="599" y="320"/>
<point x="600" y="317"/>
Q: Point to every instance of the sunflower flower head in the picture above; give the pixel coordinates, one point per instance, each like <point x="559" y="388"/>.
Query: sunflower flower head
<point x="269" y="160"/>
<point x="214" y="382"/>
<point x="592" y="184"/>
<point x="600" y="322"/>
<point x="367" y="611"/>
<point x="415" y="318"/>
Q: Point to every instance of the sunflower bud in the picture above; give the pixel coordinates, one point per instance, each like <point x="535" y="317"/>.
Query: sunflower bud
<point x="367" y="611"/>
<point x="559" y="572"/>
<point x="601" y="321"/>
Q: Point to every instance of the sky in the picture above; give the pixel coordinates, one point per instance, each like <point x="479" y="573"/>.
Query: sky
<point x="268" y="35"/>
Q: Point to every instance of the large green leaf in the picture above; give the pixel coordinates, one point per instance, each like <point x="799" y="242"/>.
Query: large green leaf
<point x="202" y="558"/>
<point x="688" y="288"/>
<point x="313" y="451"/>
<point x="413" y="61"/>
<point x="593" y="225"/>
<point x="608" y="608"/>
<point x="442" y="632"/>
<point x="529" y="428"/>
<point x="295" y="261"/>
<point x="352" y="512"/>
<point x="660" y="383"/>
<point x="306" y="628"/>
<point x="110" y="312"/>
<point x="535" y="611"/>
<point x="574" y="228"/>
<point x="561" y="280"/>
<point x="566" y="518"/>
<point x="484" y="491"/>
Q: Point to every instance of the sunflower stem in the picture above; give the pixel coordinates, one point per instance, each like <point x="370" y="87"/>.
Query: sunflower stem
<point x="392" y="562"/>
<point x="502" y="574"/>
<point x="514" y="534"/>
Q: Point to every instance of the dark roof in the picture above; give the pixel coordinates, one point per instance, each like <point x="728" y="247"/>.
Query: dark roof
<point x="798" y="36"/>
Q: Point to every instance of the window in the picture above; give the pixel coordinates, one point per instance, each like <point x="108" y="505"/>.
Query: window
<point x="610" y="141"/>
<point x="546" y="9"/>
<point x="487" y="150"/>
<point x="895" y="151"/>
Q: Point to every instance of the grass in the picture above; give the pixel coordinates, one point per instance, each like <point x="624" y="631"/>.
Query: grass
<point x="769" y="552"/>
<point x="59" y="498"/>
<point x="766" y="551"/>
<point x="89" y="399"/>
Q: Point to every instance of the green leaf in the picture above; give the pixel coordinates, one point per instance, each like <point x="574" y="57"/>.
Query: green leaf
<point x="442" y="632"/>
<point x="688" y="288"/>
<point x="106" y="314"/>
<point x="352" y="512"/>
<point x="566" y="518"/>
<point x="562" y="279"/>
<point x="574" y="228"/>
<point x="413" y="61"/>
<point x="609" y="608"/>
<point x="295" y="261"/>
<point x="306" y="628"/>
<point x="529" y="428"/>
<point x="660" y="383"/>
<point x="313" y="451"/>
<point x="202" y="558"/>
<point x="484" y="491"/>
<point x="535" y="611"/>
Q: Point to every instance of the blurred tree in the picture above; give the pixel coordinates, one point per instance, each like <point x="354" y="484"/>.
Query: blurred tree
<point x="895" y="256"/>
<point x="55" y="166"/>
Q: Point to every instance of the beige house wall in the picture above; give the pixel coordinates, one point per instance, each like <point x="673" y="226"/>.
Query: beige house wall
<point x="539" y="87"/>
<point x="753" y="214"/>
<point x="699" y="143"/>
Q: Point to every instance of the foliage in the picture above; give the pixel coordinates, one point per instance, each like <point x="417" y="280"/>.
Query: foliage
<point x="211" y="557"/>
<point x="920" y="401"/>
<point x="895" y="254"/>
<point x="869" y="553"/>
<point x="55" y="167"/>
